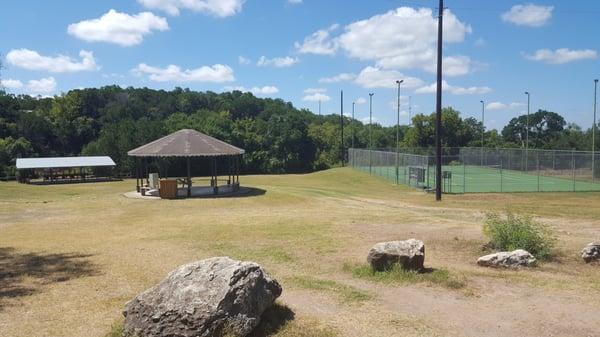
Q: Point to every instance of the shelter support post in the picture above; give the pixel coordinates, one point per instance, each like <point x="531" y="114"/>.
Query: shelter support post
<point x="189" y="179"/>
<point x="137" y="174"/>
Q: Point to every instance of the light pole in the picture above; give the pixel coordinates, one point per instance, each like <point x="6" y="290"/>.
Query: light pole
<point x="482" y="128"/>
<point x="409" y="111"/>
<point x="527" y="131"/>
<point x="353" y="124"/>
<point x="594" y="131"/>
<point x="438" y="107"/>
<point x="399" y="82"/>
<point x="342" y="124"/>
<point x="370" y="131"/>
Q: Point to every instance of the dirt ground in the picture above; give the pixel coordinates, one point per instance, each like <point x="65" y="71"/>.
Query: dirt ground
<point x="71" y="256"/>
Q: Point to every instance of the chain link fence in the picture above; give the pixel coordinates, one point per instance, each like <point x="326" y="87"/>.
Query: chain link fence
<point x="472" y="170"/>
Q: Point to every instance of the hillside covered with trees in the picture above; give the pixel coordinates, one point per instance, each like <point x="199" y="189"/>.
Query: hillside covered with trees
<point x="277" y="137"/>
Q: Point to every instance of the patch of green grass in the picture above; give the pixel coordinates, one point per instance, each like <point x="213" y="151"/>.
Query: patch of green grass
<point x="439" y="277"/>
<point x="116" y="330"/>
<point x="514" y="231"/>
<point x="347" y="294"/>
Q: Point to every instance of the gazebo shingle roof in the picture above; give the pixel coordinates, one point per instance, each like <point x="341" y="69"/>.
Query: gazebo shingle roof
<point x="186" y="143"/>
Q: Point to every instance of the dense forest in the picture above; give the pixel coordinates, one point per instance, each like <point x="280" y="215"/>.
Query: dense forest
<point x="277" y="137"/>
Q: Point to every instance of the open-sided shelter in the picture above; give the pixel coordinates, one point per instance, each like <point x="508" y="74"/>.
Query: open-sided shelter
<point x="61" y="169"/>
<point x="187" y="144"/>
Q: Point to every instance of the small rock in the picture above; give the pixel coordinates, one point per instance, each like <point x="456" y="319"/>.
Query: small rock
<point x="212" y="297"/>
<point x="514" y="259"/>
<point x="591" y="252"/>
<point x="409" y="254"/>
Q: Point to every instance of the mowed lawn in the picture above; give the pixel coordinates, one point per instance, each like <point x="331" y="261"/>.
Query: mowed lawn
<point x="71" y="256"/>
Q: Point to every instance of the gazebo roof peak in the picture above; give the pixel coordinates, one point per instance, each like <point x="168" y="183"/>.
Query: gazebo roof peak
<point x="186" y="143"/>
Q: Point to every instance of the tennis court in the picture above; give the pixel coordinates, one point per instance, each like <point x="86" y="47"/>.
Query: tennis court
<point x="460" y="176"/>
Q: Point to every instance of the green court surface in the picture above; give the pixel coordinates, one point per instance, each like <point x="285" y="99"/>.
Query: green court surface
<point x="477" y="179"/>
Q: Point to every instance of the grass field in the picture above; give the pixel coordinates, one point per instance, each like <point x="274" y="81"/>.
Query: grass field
<point x="477" y="179"/>
<point x="72" y="255"/>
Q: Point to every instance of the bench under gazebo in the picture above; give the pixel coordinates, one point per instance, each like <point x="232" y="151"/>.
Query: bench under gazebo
<point x="189" y="145"/>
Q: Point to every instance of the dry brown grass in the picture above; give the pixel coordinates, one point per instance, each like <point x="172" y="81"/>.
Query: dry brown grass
<point x="105" y="248"/>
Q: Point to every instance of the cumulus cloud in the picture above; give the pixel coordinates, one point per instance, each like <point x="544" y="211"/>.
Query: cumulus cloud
<point x="119" y="28"/>
<point x="316" y="97"/>
<point x="244" y="60"/>
<point x="278" y="62"/>
<point x="319" y="43"/>
<point x="217" y="73"/>
<point x="455" y="90"/>
<point x="218" y="8"/>
<point x="562" y="55"/>
<point x="528" y="15"/>
<point x="314" y="90"/>
<point x="502" y="106"/>
<point x="343" y="77"/>
<point x="360" y="100"/>
<point x="372" y="77"/>
<point x="11" y="84"/>
<point x="258" y="91"/>
<point x="403" y="38"/>
<point x="32" y="60"/>
<point x="42" y="86"/>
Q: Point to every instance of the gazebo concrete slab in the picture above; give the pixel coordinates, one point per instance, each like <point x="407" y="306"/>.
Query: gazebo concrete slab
<point x="197" y="192"/>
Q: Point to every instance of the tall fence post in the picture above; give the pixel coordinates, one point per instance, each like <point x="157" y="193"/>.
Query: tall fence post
<point x="538" y="168"/>
<point x="501" y="178"/>
<point x="573" y="167"/>
<point x="464" y="177"/>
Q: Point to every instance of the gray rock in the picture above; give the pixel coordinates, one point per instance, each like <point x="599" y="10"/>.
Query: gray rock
<point x="409" y="254"/>
<point x="212" y="297"/>
<point x="591" y="252"/>
<point x="516" y="258"/>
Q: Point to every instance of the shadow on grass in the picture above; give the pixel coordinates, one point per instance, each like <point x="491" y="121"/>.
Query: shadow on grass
<point x="16" y="268"/>
<point x="273" y="320"/>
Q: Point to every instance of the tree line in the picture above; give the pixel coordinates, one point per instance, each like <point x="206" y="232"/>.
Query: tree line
<point x="277" y="137"/>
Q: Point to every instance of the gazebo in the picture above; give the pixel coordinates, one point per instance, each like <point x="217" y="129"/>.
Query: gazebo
<point x="188" y="144"/>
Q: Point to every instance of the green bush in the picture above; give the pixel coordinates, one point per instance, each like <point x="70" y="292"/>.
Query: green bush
<point x="514" y="231"/>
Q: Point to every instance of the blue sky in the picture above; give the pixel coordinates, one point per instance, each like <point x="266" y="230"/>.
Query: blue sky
<point x="296" y="50"/>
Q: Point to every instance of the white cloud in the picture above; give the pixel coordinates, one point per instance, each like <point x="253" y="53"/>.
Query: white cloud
<point x="502" y="106"/>
<point x="42" y="86"/>
<point x="218" y="8"/>
<point x="562" y="55"/>
<point x="360" y="100"/>
<point x="316" y="97"/>
<point x="217" y="73"/>
<point x="258" y="91"/>
<point x="371" y="77"/>
<point x="432" y="88"/>
<point x="480" y="42"/>
<point x="11" y="84"/>
<point x="32" y="60"/>
<point x="343" y="77"/>
<point x="404" y="38"/>
<point x="279" y="62"/>
<point x="319" y="43"/>
<point x="244" y="60"/>
<point x="295" y="2"/>
<point x="528" y="15"/>
<point x="119" y="28"/>
<point x="314" y="90"/>
<point x="456" y="65"/>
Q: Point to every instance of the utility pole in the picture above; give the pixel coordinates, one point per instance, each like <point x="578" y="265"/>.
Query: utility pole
<point x="527" y="132"/>
<point x="409" y="111"/>
<point x="342" y="123"/>
<point x="482" y="128"/>
<point x="370" y="132"/>
<point x="398" y="130"/>
<point x="319" y="107"/>
<point x="594" y="132"/>
<point x="438" y="108"/>
<point x="353" y="124"/>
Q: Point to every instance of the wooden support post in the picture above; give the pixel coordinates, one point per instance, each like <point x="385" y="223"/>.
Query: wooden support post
<point x="189" y="179"/>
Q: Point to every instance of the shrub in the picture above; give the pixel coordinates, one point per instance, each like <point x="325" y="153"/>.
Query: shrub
<point x="514" y="231"/>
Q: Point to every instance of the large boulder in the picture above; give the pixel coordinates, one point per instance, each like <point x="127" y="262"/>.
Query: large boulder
<point x="212" y="297"/>
<point x="591" y="252"/>
<point x="516" y="258"/>
<point x="408" y="254"/>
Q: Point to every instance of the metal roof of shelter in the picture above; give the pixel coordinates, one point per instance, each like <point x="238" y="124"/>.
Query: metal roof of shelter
<point x="186" y="143"/>
<point x="64" y="162"/>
